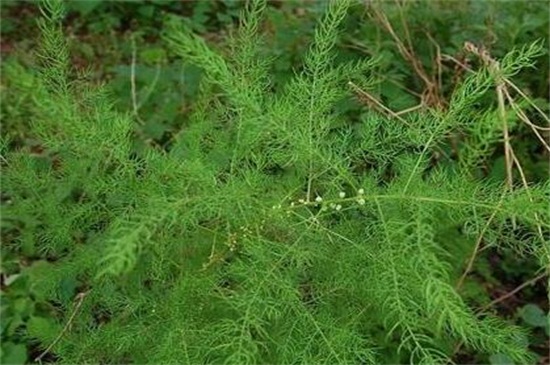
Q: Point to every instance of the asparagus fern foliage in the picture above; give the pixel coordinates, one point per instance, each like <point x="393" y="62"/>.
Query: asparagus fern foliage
<point x="274" y="229"/>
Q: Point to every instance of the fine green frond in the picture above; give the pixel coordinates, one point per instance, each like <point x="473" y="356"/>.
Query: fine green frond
<point x="54" y="52"/>
<point x="273" y="228"/>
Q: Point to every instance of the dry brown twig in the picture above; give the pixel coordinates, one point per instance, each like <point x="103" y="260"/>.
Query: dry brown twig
<point x="513" y="292"/>
<point x="511" y="100"/>
<point x="504" y="96"/>
<point x="431" y="95"/>
<point x="371" y="100"/>
<point x="80" y="299"/>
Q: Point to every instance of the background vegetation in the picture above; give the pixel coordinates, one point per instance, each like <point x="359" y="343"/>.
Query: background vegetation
<point x="421" y="60"/>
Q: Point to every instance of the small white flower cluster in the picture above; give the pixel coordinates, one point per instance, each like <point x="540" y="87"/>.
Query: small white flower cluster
<point x="331" y="204"/>
<point x="245" y="231"/>
<point x="232" y="241"/>
<point x="360" y="199"/>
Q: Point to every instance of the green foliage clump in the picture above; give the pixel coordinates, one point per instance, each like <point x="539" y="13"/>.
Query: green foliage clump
<point x="273" y="229"/>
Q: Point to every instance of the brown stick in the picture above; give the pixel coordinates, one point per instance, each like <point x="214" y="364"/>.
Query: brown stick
<point x="80" y="297"/>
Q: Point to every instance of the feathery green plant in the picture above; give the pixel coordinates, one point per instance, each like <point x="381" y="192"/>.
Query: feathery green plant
<point x="273" y="230"/>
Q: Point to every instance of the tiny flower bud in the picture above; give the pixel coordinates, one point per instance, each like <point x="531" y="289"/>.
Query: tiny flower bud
<point x="361" y="191"/>
<point x="342" y="195"/>
<point x="301" y="201"/>
<point x="361" y="201"/>
<point x="318" y="199"/>
<point x="338" y="207"/>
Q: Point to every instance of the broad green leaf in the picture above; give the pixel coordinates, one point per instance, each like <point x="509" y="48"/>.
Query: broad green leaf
<point x="14" y="353"/>
<point x="500" y="359"/>
<point x="67" y="288"/>
<point x="43" y="328"/>
<point x="153" y="55"/>
<point x="84" y="7"/>
<point x="534" y="316"/>
<point x="147" y="11"/>
<point x="23" y="306"/>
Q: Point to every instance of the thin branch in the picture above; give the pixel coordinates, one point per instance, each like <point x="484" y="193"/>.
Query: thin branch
<point x="526" y="186"/>
<point x="526" y="120"/>
<point x="133" y="83"/>
<point x="511" y="293"/>
<point x="501" y="299"/>
<point x="515" y="88"/>
<point x="409" y="110"/>
<point x="476" y="251"/>
<point x="376" y="103"/>
<point x="518" y="90"/>
<point x="430" y="95"/>
<point x="80" y="299"/>
<point x="151" y="87"/>
<point x="507" y="145"/>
